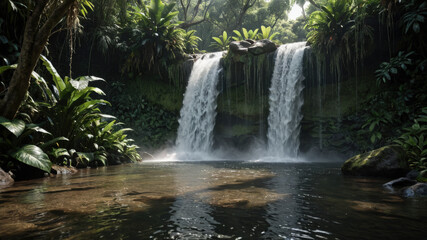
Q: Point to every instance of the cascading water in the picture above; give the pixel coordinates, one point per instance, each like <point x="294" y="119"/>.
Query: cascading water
<point x="286" y="101"/>
<point x="199" y="107"/>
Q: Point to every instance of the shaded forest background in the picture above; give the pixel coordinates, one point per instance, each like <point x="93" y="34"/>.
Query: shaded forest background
<point x="138" y="48"/>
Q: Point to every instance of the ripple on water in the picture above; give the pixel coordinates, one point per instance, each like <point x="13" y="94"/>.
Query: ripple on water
<point x="212" y="200"/>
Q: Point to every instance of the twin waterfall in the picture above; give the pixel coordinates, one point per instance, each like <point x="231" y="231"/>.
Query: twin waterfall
<point x="286" y="101"/>
<point x="195" y="132"/>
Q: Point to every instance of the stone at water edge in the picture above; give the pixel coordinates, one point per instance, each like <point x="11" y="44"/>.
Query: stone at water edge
<point x="5" y="179"/>
<point x="399" y="183"/>
<point x="63" y="170"/>
<point x="417" y="190"/>
<point x="388" y="161"/>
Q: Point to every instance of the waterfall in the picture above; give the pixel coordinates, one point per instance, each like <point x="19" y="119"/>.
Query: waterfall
<point x="286" y="101"/>
<point x="199" y="106"/>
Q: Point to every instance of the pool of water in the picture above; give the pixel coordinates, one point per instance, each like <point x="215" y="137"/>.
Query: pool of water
<point x="209" y="200"/>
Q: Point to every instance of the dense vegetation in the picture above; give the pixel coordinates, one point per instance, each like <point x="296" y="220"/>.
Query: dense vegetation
<point x="54" y="119"/>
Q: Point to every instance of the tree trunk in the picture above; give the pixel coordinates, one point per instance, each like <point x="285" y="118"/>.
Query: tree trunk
<point x="35" y="39"/>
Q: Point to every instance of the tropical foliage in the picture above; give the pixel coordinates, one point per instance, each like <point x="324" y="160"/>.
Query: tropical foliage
<point x="153" y="37"/>
<point x="251" y="34"/>
<point x="266" y="33"/>
<point x="336" y="31"/>
<point x="414" y="141"/>
<point x="75" y="131"/>
<point x="191" y="42"/>
<point x="17" y="144"/>
<point x="76" y="115"/>
<point x="399" y="63"/>
<point x="221" y="42"/>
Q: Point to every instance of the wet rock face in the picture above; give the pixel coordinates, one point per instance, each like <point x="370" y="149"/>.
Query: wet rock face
<point x="250" y="46"/>
<point x="388" y="161"/>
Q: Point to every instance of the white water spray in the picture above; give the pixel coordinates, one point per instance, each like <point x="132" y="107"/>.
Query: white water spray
<point x="286" y="101"/>
<point x="195" y="132"/>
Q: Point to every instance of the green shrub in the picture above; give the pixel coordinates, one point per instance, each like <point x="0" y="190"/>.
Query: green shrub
<point x="414" y="141"/>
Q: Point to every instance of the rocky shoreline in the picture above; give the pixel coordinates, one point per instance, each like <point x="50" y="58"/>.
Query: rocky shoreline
<point x="388" y="162"/>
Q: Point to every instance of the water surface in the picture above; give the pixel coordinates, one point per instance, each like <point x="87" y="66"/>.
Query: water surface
<point x="209" y="200"/>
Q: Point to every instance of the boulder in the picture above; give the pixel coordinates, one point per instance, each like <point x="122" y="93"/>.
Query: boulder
<point x="388" y="161"/>
<point x="399" y="183"/>
<point x="417" y="190"/>
<point x="262" y="46"/>
<point x="5" y="179"/>
<point x="239" y="47"/>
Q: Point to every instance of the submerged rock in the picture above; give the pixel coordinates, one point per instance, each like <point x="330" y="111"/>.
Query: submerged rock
<point x="388" y="161"/>
<point x="5" y="179"/>
<point x="417" y="190"/>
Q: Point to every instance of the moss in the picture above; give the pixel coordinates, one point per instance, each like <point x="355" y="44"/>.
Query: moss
<point x="238" y="130"/>
<point x="238" y="102"/>
<point x="388" y="161"/>
<point x="349" y="100"/>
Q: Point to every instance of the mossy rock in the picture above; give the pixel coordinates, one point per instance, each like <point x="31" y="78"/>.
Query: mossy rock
<point x="388" y="161"/>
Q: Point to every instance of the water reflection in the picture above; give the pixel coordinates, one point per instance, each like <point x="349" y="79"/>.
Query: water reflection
<point x="190" y="215"/>
<point x="208" y="200"/>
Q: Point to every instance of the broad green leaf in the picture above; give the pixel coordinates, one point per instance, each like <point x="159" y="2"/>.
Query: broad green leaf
<point x="245" y="33"/>
<point x="53" y="141"/>
<point x="224" y="37"/>
<point x="33" y="156"/>
<point x="36" y="128"/>
<point x="372" y="126"/>
<point x="108" y="127"/>
<point x="79" y="84"/>
<point x="12" y="5"/>
<point x="102" y="158"/>
<point x="90" y="78"/>
<point x="273" y="35"/>
<point x="60" y="85"/>
<point x="218" y="40"/>
<point x="107" y="116"/>
<point x="16" y="126"/>
<point x="8" y="67"/>
<point x="59" y="152"/>
<point x="89" y="157"/>
<point x="239" y="35"/>
<point x="373" y="139"/>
